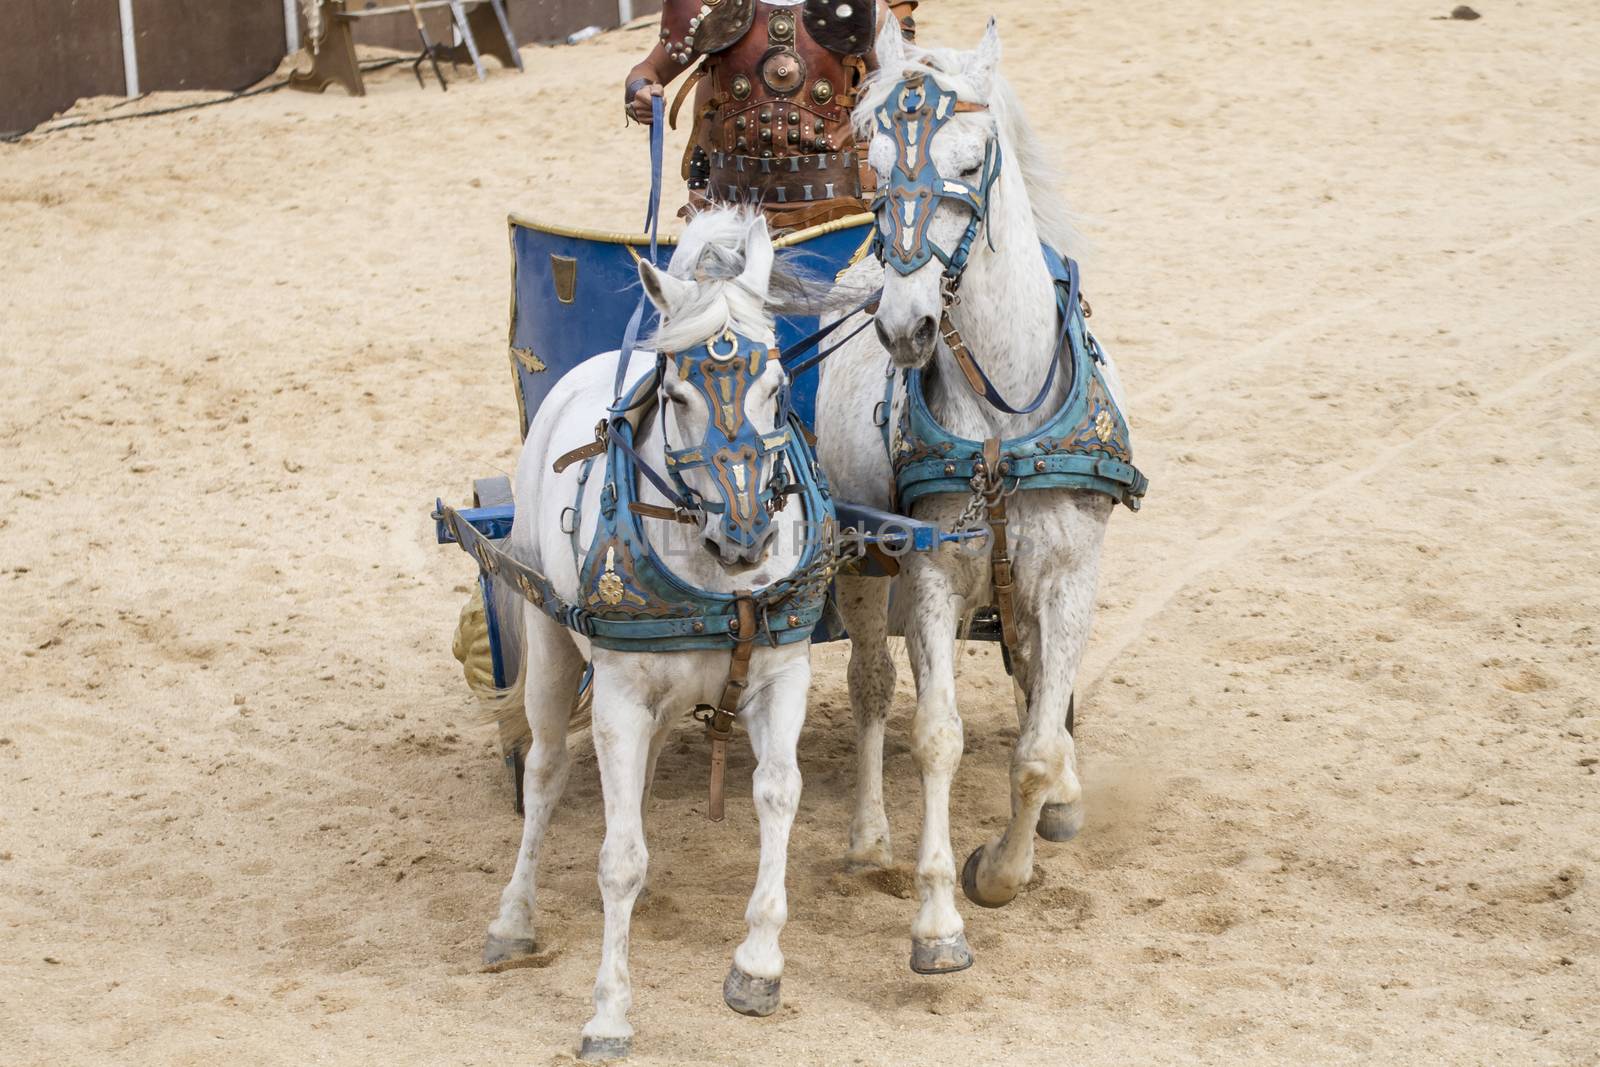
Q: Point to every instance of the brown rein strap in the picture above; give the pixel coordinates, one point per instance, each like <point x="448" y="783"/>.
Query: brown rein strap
<point x="999" y="552"/>
<point x="719" y="720"/>
<point x="594" y="448"/>
<point x="656" y="511"/>
<point x="963" y="355"/>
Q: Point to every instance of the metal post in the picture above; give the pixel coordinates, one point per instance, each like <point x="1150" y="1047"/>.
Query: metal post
<point x="291" y="26"/>
<point x="624" y="12"/>
<point x="130" y="50"/>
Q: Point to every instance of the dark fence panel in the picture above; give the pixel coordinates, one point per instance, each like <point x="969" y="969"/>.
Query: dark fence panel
<point x="532" y="21"/>
<point x="206" y="44"/>
<point x="54" y="51"/>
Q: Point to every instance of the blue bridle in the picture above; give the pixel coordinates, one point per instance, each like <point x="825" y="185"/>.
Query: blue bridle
<point x="916" y="110"/>
<point x="722" y="370"/>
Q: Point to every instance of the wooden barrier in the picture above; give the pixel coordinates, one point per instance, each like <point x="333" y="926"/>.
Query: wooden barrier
<point x="482" y="26"/>
<point x="55" y="51"/>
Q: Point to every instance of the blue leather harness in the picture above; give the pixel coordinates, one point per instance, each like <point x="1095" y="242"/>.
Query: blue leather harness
<point x="1084" y="445"/>
<point x="628" y="599"/>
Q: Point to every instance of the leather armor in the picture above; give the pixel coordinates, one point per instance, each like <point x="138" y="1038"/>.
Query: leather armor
<point x="772" y="111"/>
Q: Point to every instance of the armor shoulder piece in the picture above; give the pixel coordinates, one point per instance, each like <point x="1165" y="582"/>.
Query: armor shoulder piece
<point x="844" y="27"/>
<point x="692" y="28"/>
<point x="721" y="23"/>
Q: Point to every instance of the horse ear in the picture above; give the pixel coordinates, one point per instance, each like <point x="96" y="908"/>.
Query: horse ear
<point x="758" y="257"/>
<point x="986" y="59"/>
<point x="666" y="292"/>
<point x="891" y="46"/>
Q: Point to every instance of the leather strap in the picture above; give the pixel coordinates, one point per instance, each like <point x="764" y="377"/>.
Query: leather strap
<point x="887" y="563"/>
<point x="797" y="367"/>
<point x="999" y="551"/>
<point x="979" y="382"/>
<point x="963" y="355"/>
<point x="719" y="724"/>
<point x="594" y="448"/>
<point x="677" y="101"/>
<point x="655" y="511"/>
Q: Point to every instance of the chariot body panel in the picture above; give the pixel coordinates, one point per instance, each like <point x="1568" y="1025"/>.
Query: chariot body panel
<point x="572" y="289"/>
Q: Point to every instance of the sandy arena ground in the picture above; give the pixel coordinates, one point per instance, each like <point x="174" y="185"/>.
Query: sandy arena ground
<point x="1338" y="718"/>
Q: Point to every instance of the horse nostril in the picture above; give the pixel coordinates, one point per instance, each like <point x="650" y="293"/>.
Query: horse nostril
<point x="923" y="337"/>
<point x="883" y="334"/>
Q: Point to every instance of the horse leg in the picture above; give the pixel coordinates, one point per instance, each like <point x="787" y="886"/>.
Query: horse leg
<point x="864" y="605"/>
<point x="1044" y="762"/>
<point x="1061" y="817"/>
<point x="622" y="730"/>
<point x="544" y="777"/>
<point x="658" y="741"/>
<point x="752" y="985"/>
<point x="938" y="939"/>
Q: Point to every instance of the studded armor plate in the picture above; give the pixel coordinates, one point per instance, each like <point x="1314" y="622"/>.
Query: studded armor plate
<point x="780" y="96"/>
<point x="844" y="26"/>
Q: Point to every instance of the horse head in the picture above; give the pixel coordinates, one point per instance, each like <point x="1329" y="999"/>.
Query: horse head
<point x="724" y="396"/>
<point x="936" y="149"/>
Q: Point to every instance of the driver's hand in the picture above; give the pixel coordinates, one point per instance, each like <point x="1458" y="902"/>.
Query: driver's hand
<point x="639" y="108"/>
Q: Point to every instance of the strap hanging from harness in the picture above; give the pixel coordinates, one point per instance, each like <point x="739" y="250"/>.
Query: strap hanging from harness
<point x="719" y="720"/>
<point x="999" y="548"/>
<point x="974" y="373"/>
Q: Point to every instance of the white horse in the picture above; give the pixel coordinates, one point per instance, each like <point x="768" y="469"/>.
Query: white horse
<point x="1007" y="312"/>
<point x="718" y="280"/>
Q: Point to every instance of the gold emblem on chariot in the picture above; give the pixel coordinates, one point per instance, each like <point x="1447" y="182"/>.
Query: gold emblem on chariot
<point x="528" y="361"/>
<point x="1103" y="426"/>
<point x="610" y="584"/>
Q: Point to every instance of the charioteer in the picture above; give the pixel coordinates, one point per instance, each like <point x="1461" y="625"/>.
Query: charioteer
<point x="772" y="96"/>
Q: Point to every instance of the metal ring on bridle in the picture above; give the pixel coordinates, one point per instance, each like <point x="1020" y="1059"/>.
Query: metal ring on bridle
<point x="733" y="346"/>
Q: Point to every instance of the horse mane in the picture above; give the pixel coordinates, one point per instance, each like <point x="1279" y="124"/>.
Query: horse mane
<point x="1024" y="150"/>
<point x="711" y="253"/>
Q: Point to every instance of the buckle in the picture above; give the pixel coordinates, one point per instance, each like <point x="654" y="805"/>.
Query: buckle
<point x="880" y="413"/>
<point x="950" y="287"/>
<point x="572" y="526"/>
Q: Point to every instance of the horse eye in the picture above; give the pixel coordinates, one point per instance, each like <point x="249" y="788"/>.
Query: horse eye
<point x="967" y="172"/>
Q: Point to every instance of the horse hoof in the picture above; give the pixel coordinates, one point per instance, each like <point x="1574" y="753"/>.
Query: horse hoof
<point x="500" y="949"/>
<point x="969" y="883"/>
<point x="1060" y="822"/>
<point x="940" y="955"/>
<point x="869" y="858"/>
<point x="605" y="1048"/>
<point x="749" y="995"/>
